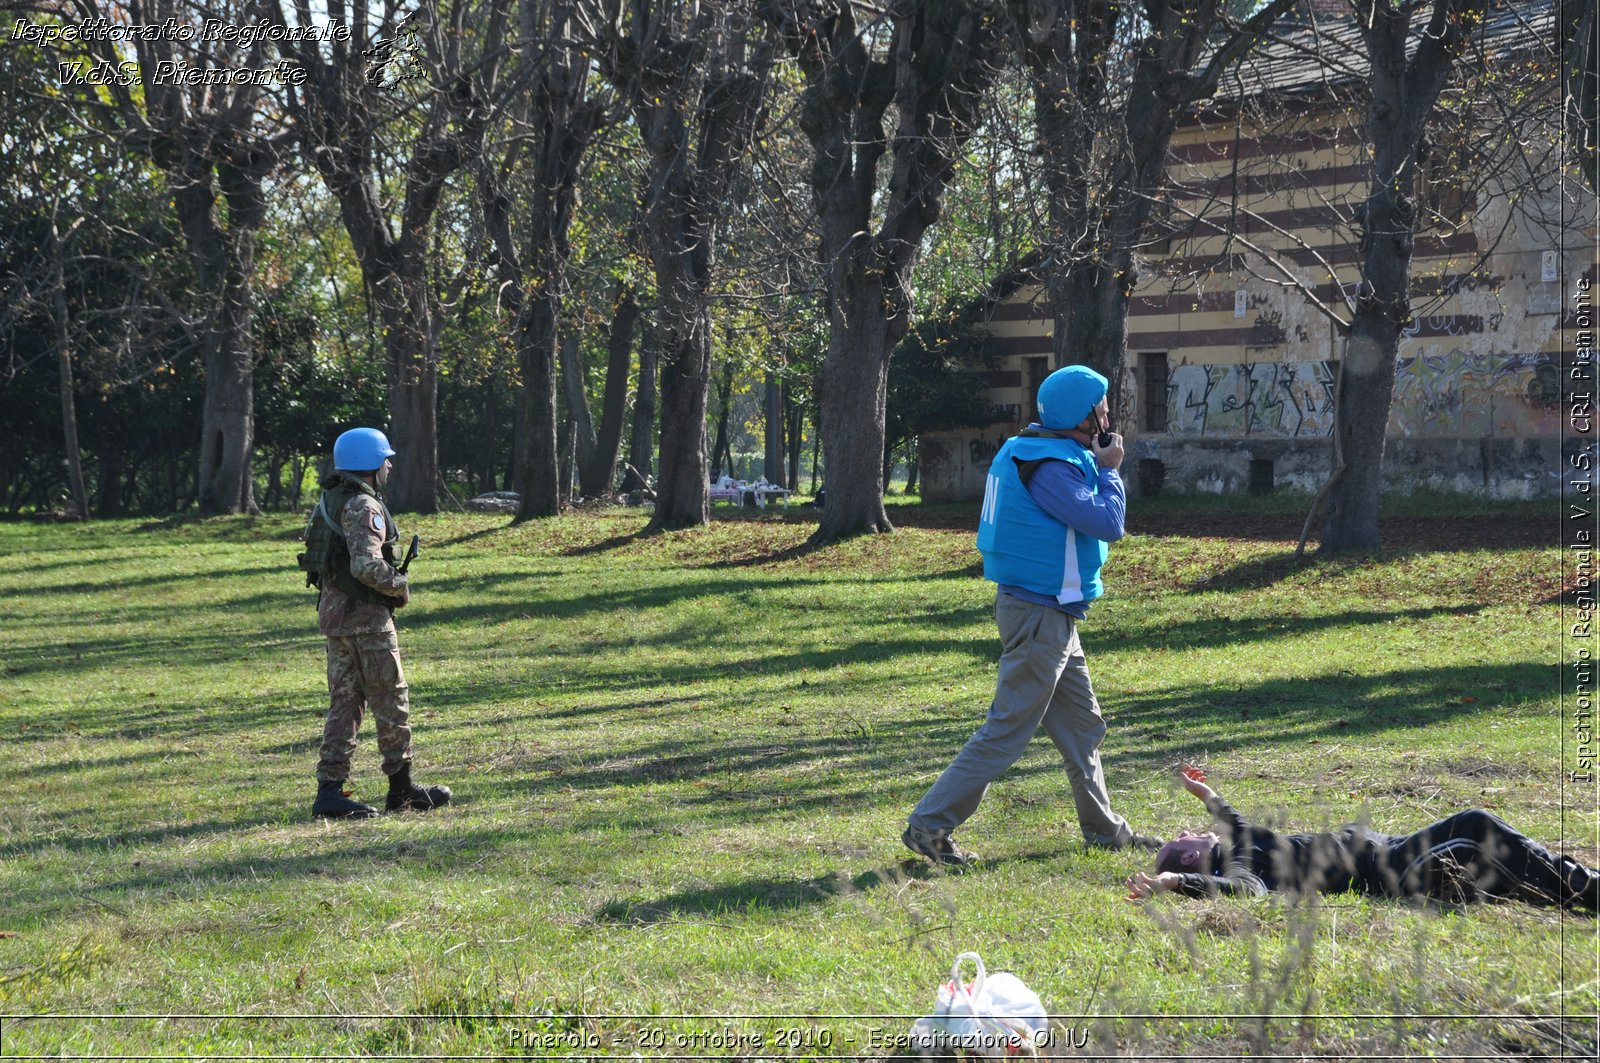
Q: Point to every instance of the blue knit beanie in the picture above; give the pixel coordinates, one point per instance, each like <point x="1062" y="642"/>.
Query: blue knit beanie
<point x="1067" y="396"/>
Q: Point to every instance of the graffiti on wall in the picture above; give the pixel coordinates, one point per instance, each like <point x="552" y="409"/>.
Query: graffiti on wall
<point x="1463" y="393"/>
<point x="1257" y="398"/>
<point x="1459" y="393"/>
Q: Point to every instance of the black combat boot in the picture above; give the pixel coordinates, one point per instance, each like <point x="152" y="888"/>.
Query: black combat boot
<point x="332" y="803"/>
<point x="405" y="794"/>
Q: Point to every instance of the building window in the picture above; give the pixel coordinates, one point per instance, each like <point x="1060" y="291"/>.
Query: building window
<point x="1153" y="372"/>
<point x="1152" y="474"/>
<point x="1038" y="369"/>
<point x="1261" y="476"/>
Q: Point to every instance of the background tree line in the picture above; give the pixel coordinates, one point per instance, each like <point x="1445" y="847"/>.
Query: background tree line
<point x="547" y="242"/>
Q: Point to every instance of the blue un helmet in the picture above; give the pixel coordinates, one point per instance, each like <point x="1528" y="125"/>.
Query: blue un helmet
<point x="1067" y="396"/>
<point x="361" y="450"/>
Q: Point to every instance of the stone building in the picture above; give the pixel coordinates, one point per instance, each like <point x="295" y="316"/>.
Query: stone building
<point x="1230" y="375"/>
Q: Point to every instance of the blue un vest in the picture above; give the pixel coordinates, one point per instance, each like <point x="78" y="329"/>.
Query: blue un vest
<point x="1022" y="545"/>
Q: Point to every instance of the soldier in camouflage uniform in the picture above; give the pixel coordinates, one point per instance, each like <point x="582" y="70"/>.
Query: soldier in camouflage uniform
<point x="350" y="557"/>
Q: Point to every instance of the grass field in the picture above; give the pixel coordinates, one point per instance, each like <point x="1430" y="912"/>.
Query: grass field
<point x="682" y="765"/>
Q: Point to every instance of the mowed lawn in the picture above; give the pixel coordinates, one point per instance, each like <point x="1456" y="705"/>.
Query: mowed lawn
<point x="682" y="765"/>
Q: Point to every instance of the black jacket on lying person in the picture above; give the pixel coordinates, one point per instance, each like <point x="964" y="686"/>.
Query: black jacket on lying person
<point x="1462" y="857"/>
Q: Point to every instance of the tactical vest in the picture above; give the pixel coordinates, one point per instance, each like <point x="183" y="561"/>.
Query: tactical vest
<point x="326" y="560"/>
<point x="1022" y="545"/>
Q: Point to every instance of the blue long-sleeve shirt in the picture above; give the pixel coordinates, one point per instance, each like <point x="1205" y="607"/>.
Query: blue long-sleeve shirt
<point x="1061" y="491"/>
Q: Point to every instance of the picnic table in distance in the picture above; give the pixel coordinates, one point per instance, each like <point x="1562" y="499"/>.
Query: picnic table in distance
<point x="746" y="493"/>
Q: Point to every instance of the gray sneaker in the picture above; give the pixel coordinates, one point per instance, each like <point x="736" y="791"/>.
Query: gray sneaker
<point x="937" y="846"/>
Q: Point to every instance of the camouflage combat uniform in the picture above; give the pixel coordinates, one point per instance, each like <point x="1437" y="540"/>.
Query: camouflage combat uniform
<point x="363" y="651"/>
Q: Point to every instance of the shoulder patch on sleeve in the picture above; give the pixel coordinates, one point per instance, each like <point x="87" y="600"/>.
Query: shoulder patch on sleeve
<point x="376" y="520"/>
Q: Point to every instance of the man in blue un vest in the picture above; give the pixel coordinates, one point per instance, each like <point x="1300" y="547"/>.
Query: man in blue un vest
<point x="1051" y="505"/>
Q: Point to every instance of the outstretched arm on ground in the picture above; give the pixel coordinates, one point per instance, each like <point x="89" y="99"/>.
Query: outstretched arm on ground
<point x="1194" y="780"/>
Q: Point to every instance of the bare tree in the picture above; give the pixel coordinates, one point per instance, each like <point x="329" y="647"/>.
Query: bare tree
<point x="641" y="430"/>
<point x="598" y="471"/>
<point x="528" y="186"/>
<point x="209" y="140"/>
<point x="931" y="64"/>
<point x="1407" y="71"/>
<point x="357" y="94"/>
<point x="1111" y="81"/>
<point x="63" y="338"/>
<point x="694" y="74"/>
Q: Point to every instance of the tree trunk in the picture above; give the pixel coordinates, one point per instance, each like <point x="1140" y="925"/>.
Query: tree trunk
<point x="413" y="376"/>
<point x="719" y="448"/>
<point x="816" y="454"/>
<point x="565" y="461"/>
<point x="224" y="259"/>
<point x="772" y="461"/>
<point x="1367" y="370"/>
<point x="855" y="383"/>
<point x="298" y="467"/>
<point x="641" y="444"/>
<point x="577" y="396"/>
<point x="940" y="61"/>
<point x="537" y="470"/>
<point x="1403" y="94"/>
<point x="1105" y="152"/>
<point x="562" y="121"/>
<point x="722" y="449"/>
<point x="490" y="409"/>
<point x="274" y="499"/>
<point x="599" y="473"/>
<point x="794" y="429"/>
<point x="69" y="409"/>
<point x="913" y="459"/>
<point x="1091" y="324"/>
<point x="340" y="117"/>
<point x="695" y="85"/>
<point x="681" y="488"/>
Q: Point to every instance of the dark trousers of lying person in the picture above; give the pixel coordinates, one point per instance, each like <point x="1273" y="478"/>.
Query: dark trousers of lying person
<point x="1467" y="856"/>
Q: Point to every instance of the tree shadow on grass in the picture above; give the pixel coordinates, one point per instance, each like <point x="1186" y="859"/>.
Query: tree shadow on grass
<point x="788" y="553"/>
<point x="235" y="528"/>
<point x="1132" y="633"/>
<point x="270" y="816"/>
<point x="758" y="894"/>
<point x="768" y="775"/>
<point x="470" y="537"/>
<point x="1256" y="574"/>
<point x="627" y="602"/>
<point x="741" y="780"/>
<point x="123" y="584"/>
<point x="361" y="847"/>
<point x="614" y="542"/>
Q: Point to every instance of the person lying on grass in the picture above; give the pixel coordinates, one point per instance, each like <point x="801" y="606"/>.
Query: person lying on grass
<point x="1471" y="855"/>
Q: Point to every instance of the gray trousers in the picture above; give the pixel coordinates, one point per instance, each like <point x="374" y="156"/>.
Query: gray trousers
<point x="1043" y="679"/>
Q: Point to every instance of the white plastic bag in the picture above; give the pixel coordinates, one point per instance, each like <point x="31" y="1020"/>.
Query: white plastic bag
<point x="993" y="1016"/>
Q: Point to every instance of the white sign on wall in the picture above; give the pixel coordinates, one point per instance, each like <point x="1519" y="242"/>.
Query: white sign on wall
<point x="1241" y="302"/>
<point x="1548" y="263"/>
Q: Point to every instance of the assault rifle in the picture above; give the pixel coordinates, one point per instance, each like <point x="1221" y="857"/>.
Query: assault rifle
<point x="411" y="555"/>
